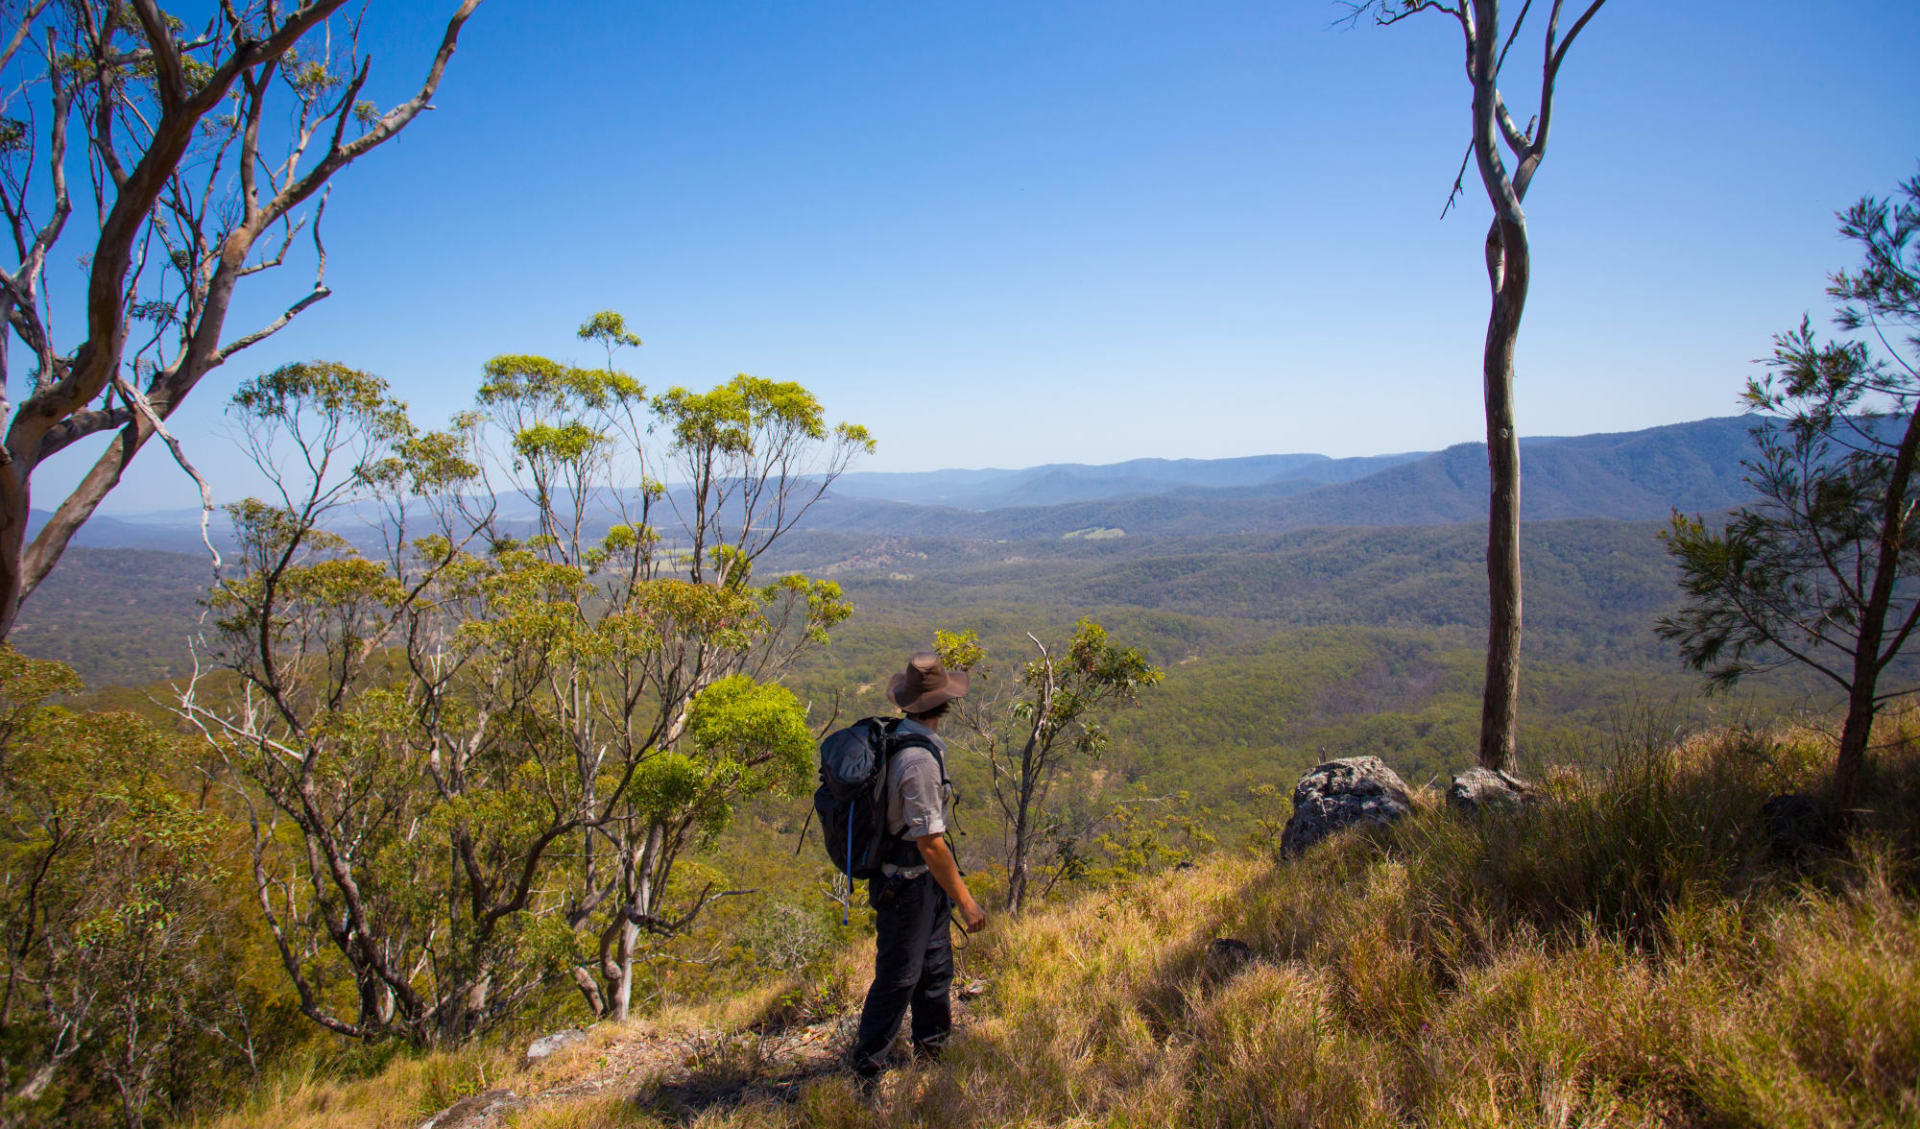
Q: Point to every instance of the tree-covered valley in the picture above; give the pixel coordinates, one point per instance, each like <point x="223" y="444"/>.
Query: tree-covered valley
<point x="1278" y="647"/>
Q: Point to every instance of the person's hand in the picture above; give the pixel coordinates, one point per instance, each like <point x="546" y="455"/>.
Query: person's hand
<point x="972" y="918"/>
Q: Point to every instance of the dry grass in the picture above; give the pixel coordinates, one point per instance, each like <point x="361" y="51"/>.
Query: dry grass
<point x="409" y="1090"/>
<point x="1624" y="954"/>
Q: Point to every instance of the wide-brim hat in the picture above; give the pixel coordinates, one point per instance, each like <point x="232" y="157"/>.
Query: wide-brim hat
<point x="925" y="684"/>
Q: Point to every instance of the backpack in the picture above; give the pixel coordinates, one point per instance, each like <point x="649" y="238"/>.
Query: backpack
<point x="852" y="798"/>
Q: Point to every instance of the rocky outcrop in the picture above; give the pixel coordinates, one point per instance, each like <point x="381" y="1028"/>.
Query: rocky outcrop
<point x="1340" y="794"/>
<point x="547" y="1045"/>
<point x="1485" y="790"/>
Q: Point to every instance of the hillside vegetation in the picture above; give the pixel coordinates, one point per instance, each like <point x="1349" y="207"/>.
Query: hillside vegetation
<point x="1633" y="950"/>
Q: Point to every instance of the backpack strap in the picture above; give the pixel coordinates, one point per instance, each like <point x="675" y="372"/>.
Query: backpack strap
<point x="895" y="742"/>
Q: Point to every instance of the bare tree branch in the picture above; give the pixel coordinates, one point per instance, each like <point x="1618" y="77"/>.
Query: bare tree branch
<point x="139" y="401"/>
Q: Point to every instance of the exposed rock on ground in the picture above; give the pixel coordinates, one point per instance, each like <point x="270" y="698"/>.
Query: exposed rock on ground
<point x="1484" y="789"/>
<point x="550" y="1044"/>
<point x="490" y="1108"/>
<point x="1341" y="794"/>
<point x="680" y="1073"/>
<point x="1227" y="956"/>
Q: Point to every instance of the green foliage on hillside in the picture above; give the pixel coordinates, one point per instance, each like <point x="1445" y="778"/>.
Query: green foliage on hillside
<point x="1284" y="651"/>
<point x="134" y="980"/>
<point x="1279" y="651"/>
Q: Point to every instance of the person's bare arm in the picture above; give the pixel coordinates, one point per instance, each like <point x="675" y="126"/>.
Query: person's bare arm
<point x="940" y="863"/>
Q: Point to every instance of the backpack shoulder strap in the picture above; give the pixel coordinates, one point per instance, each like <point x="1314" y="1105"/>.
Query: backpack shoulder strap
<point x="897" y="741"/>
<point x="893" y="742"/>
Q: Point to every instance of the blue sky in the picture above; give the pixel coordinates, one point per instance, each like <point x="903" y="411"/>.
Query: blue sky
<point x="1002" y="234"/>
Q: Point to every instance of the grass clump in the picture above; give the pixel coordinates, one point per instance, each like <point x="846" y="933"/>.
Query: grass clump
<point x="411" y="1088"/>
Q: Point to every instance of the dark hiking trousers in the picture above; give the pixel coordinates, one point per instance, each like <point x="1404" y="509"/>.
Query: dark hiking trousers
<point x="912" y="968"/>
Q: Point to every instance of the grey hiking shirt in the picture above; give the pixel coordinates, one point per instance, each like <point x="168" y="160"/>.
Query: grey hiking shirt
<point x="918" y="801"/>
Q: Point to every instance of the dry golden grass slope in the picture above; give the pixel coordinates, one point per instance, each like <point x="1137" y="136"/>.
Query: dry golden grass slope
<point x="1626" y="953"/>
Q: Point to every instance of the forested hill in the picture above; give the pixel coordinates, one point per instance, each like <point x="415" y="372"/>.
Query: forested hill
<point x="1639" y="475"/>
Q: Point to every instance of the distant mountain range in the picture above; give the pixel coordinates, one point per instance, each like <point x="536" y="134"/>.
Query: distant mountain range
<point x="1638" y="475"/>
<point x="1059" y="483"/>
<point x="175" y="531"/>
<point x="1631" y="476"/>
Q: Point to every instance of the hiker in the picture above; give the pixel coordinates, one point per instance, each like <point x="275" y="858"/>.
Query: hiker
<point x="919" y="881"/>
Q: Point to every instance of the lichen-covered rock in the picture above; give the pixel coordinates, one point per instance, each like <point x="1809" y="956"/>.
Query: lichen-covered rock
<point x="1342" y="794"/>
<point x="477" y="1112"/>
<point x="547" y="1045"/>
<point x="1485" y="789"/>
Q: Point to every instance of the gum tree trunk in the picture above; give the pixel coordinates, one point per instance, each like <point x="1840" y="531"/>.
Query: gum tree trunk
<point x="187" y="99"/>
<point x="1507" y="268"/>
<point x="1017" y="869"/>
<point x="1509" y="272"/>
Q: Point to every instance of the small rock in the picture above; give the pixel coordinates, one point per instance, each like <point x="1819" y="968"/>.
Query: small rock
<point x="1485" y="789"/>
<point x="1796" y="826"/>
<point x="476" y="1112"/>
<point x="547" y="1045"/>
<point x="1226" y="956"/>
<point x="1341" y="794"/>
<point x="971" y="989"/>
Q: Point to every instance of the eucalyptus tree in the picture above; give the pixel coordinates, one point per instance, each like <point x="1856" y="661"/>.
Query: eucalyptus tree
<point x="1031" y="727"/>
<point x="382" y="735"/>
<point x="474" y="742"/>
<point x="1494" y="131"/>
<point x="683" y="645"/>
<point x="1823" y="570"/>
<point x="173" y="157"/>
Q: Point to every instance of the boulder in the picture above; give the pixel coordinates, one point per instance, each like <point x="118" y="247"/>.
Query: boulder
<point x="1485" y="789"/>
<point x="1227" y="956"/>
<point x="547" y="1045"/>
<point x="1342" y="794"/>
<point x="479" y="1111"/>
